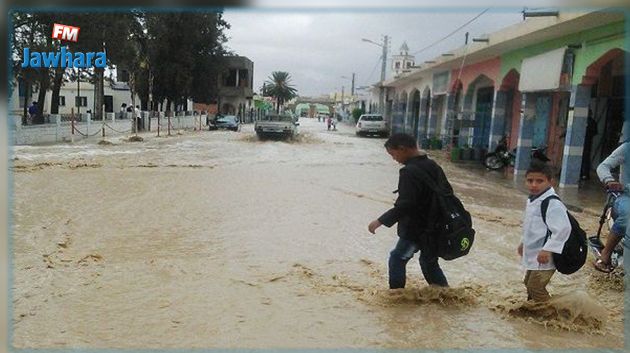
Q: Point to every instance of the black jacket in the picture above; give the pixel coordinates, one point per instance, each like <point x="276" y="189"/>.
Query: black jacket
<point x="413" y="207"/>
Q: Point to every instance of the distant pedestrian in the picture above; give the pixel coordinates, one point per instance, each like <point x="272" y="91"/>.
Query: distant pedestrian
<point x="140" y="120"/>
<point x="329" y="122"/>
<point x="541" y="237"/>
<point x="32" y="113"/>
<point x="123" y="110"/>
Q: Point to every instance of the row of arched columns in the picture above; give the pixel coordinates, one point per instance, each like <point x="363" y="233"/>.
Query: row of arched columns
<point x="479" y="114"/>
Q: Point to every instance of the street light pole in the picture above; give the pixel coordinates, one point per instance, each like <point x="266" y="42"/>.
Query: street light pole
<point x="352" y="90"/>
<point x="343" y="101"/>
<point x="381" y="98"/>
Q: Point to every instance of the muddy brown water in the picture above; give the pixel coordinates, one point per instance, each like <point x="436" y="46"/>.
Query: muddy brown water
<point x="218" y="240"/>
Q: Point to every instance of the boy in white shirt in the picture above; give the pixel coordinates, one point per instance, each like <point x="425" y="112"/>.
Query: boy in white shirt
<point x="540" y="240"/>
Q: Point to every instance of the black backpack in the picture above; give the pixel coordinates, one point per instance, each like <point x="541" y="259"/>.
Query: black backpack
<point x="450" y="230"/>
<point x="574" y="251"/>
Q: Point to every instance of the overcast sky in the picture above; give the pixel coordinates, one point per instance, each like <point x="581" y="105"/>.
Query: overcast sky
<point x="317" y="47"/>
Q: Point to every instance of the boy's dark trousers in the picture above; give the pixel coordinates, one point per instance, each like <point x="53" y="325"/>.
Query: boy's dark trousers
<point x="402" y="253"/>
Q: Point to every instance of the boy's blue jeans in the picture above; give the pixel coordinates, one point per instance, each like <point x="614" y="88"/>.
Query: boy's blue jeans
<point x="402" y="253"/>
<point x="621" y="209"/>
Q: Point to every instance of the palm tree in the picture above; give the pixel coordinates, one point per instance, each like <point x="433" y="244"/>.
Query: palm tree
<point x="278" y="85"/>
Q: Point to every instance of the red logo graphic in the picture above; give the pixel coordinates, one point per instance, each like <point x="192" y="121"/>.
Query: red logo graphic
<point x="64" y="32"/>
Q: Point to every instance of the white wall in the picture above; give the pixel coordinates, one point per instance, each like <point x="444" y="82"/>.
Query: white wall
<point x="59" y="131"/>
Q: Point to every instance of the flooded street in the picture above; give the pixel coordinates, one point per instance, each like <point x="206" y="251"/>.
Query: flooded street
<point x="218" y="240"/>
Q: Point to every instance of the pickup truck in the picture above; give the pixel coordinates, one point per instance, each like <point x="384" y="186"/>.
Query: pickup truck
<point x="276" y="125"/>
<point x="369" y="124"/>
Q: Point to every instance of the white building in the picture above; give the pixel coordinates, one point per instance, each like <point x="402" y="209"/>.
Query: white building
<point x="403" y="61"/>
<point x="76" y="97"/>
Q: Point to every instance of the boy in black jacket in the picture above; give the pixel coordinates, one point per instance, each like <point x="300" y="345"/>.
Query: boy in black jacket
<point x="410" y="211"/>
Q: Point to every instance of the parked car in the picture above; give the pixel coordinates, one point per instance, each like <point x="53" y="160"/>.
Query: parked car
<point x="276" y="125"/>
<point x="229" y="122"/>
<point x="372" y="124"/>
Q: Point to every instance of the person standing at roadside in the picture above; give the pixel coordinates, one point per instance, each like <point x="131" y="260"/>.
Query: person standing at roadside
<point x="32" y="113"/>
<point x="621" y="206"/>
<point x="410" y="211"/>
<point x="139" y="117"/>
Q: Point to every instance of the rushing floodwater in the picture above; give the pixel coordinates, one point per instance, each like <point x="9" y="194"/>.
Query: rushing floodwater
<point x="218" y="240"/>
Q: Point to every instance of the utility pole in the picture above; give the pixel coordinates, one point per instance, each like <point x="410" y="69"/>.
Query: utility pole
<point x="352" y="89"/>
<point x="343" y="102"/>
<point x="381" y="98"/>
<point x="352" y="100"/>
<point x="151" y="97"/>
<point x="78" y="99"/>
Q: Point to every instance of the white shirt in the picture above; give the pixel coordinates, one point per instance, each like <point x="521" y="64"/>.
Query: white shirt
<point x="535" y="230"/>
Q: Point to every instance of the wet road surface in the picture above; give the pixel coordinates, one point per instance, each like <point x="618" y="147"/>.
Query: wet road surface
<point x="218" y="240"/>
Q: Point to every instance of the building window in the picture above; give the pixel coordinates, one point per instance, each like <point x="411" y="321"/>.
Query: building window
<point x="80" y="101"/>
<point x="229" y="78"/>
<point x="408" y="64"/>
<point x="62" y="101"/>
<point x="243" y="78"/>
<point x="397" y="65"/>
<point x="122" y="75"/>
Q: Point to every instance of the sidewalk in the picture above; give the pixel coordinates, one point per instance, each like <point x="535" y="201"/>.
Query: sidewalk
<point x="589" y="198"/>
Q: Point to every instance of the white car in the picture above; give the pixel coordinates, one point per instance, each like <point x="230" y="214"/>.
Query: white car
<point x="276" y="125"/>
<point x="372" y="124"/>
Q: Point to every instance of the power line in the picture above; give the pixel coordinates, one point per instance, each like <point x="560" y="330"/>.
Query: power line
<point x="374" y="69"/>
<point x="453" y="32"/>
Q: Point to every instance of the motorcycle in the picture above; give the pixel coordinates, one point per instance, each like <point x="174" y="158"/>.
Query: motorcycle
<point x="502" y="157"/>
<point x="607" y="217"/>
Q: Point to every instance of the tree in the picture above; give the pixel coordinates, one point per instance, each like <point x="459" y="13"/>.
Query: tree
<point x="185" y="52"/>
<point x="356" y="113"/>
<point x="100" y="31"/>
<point x="32" y="31"/>
<point x="209" y="58"/>
<point x="173" y="56"/>
<point x="110" y="32"/>
<point x="278" y="85"/>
